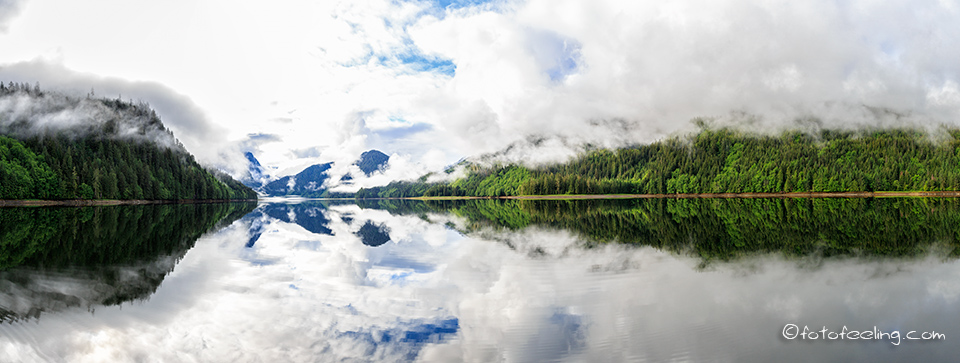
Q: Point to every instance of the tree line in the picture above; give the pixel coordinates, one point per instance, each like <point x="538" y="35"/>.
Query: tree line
<point x="725" y="161"/>
<point x="96" y="162"/>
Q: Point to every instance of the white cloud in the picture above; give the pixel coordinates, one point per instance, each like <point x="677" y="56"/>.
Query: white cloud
<point x="563" y="69"/>
<point x="9" y="9"/>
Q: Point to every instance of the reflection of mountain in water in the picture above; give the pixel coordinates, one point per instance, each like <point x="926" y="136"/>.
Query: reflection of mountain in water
<point x="312" y="217"/>
<point x="309" y="215"/>
<point x="56" y="258"/>
<point x="373" y="234"/>
<point x="725" y="228"/>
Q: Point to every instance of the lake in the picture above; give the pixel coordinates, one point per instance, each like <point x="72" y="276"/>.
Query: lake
<point x="731" y="280"/>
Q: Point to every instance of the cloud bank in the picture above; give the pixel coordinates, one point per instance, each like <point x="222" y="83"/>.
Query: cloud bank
<point x="636" y="72"/>
<point x="438" y="81"/>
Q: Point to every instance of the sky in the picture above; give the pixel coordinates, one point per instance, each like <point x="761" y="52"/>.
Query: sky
<point x="431" y="82"/>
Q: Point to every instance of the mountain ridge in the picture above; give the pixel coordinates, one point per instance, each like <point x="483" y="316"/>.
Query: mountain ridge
<point x="310" y="182"/>
<point x="56" y="147"/>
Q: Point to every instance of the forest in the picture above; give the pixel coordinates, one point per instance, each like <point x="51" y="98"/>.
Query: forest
<point x="108" y="149"/>
<point x="724" y="161"/>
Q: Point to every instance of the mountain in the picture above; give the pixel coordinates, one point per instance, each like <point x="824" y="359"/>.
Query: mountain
<point x="256" y="174"/>
<point x="310" y="182"/>
<point x="372" y="161"/>
<point x="54" y="146"/>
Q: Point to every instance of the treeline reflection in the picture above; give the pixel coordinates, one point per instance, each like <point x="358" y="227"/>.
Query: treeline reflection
<point x="724" y="229"/>
<point x="52" y="258"/>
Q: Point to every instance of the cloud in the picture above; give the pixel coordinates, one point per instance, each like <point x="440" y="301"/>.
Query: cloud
<point x="9" y="9"/>
<point x="482" y="76"/>
<point x="179" y="113"/>
<point x="658" y="65"/>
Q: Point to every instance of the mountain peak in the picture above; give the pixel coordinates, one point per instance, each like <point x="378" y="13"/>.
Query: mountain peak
<point x="372" y="161"/>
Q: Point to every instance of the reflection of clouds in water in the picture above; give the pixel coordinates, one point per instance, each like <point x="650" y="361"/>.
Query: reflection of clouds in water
<point x="27" y="292"/>
<point x="436" y="295"/>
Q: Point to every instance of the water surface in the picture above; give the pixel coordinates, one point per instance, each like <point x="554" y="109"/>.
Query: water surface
<point x="488" y="280"/>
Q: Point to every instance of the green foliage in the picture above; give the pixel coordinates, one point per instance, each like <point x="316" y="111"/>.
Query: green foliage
<point x="93" y="159"/>
<point x="61" y="167"/>
<point x="494" y="182"/>
<point x="24" y="174"/>
<point x="394" y="190"/>
<point x="725" y="161"/>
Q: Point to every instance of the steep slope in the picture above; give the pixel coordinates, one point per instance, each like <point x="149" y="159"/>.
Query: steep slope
<point x="62" y="147"/>
<point x="256" y="173"/>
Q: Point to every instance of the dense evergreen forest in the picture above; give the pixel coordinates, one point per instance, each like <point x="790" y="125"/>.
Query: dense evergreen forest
<point x="725" y="161"/>
<point x="54" y="146"/>
<point x="723" y="229"/>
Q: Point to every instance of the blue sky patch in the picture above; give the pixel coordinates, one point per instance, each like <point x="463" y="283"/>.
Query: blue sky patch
<point x="421" y="63"/>
<point x="412" y="59"/>
<point x="459" y="4"/>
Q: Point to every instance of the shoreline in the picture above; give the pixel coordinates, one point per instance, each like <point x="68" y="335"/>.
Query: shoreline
<point x="947" y="194"/>
<point x="112" y="202"/>
<point x="107" y="202"/>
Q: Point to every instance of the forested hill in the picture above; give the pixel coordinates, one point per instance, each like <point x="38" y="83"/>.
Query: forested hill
<point x="54" y="146"/>
<point x="726" y="161"/>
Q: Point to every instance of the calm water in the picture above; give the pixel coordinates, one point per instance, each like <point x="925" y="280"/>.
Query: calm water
<point x="481" y="281"/>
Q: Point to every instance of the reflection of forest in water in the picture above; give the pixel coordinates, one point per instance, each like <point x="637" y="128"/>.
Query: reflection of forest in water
<point x="53" y="258"/>
<point x="724" y="229"/>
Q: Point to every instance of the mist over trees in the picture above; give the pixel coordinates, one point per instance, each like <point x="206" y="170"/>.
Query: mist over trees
<point x="61" y="147"/>
<point x="724" y="161"/>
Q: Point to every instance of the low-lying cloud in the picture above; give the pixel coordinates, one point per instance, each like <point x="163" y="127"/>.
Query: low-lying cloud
<point x="178" y="113"/>
<point x="655" y="66"/>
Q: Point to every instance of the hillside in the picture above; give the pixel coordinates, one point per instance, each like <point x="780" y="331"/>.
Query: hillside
<point x="725" y="161"/>
<point x="53" y="146"/>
